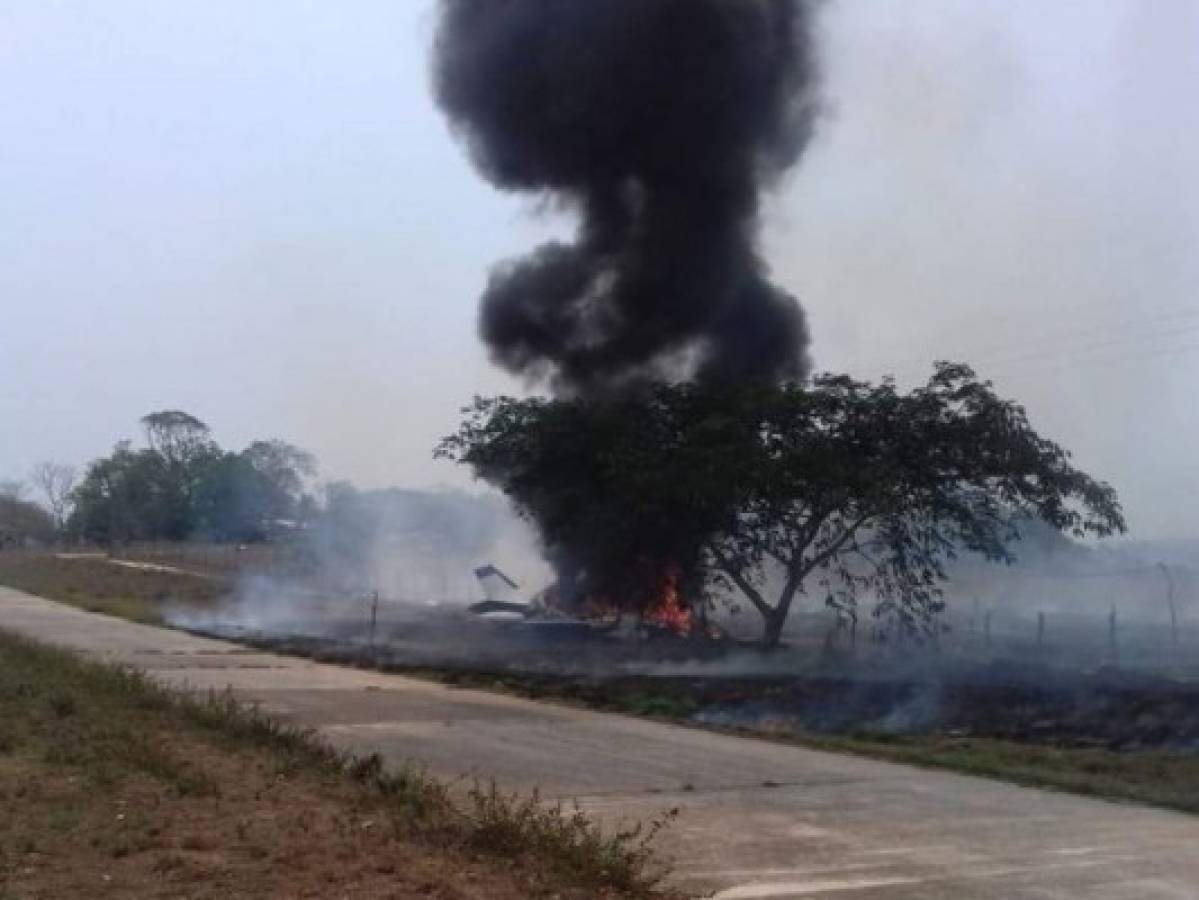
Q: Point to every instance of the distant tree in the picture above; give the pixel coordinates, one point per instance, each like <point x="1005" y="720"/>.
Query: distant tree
<point x="346" y="525"/>
<point x="840" y="487"/>
<point x="178" y="437"/>
<point x="119" y="498"/>
<point x="55" y="481"/>
<point x="13" y="489"/>
<point x="283" y="469"/>
<point x="182" y="484"/>
<point x="183" y="450"/>
<point x="136" y="494"/>
<point x="231" y="501"/>
<point x="308" y="509"/>
<point x="22" y="522"/>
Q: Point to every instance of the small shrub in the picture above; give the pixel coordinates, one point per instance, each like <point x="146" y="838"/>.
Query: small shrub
<point x="416" y="793"/>
<point x="509" y="825"/>
<point x="63" y="704"/>
<point x="641" y="704"/>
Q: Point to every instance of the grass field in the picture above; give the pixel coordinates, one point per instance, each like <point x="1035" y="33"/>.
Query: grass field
<point x="1168" y="779"/>
<point x="1164" y="778"/>
<point x="94" y="583"/>
<point x="113" y="787"/>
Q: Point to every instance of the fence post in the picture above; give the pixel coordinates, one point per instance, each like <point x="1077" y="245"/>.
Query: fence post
<point x="1111" y="634"/>
<point x="1170" y="600"/>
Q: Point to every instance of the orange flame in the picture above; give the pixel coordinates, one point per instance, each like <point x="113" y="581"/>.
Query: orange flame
<point x="669" y="611"/>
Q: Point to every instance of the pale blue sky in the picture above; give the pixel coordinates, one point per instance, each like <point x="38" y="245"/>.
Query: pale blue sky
<point x="250" y="209"/>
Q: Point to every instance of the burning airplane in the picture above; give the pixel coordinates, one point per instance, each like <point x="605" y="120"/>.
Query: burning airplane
<point x="546" y="610"/>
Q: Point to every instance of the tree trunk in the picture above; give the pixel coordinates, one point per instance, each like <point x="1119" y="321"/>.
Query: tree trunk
<point x="773" y="632"/>
<point x="776" y="618"/>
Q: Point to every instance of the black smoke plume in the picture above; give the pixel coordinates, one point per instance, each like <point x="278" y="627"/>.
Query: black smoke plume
<point x="660" y="122"/>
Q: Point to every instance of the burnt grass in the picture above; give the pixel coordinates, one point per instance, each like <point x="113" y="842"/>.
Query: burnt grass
<point x="1109" y="708"/>
<point x="1111" y="733"/>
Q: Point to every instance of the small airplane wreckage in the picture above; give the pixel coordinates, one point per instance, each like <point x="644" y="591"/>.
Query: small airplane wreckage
<point x="503" y="600"/>
<point x="542" y="613"/>
<point x="504" y="606"/>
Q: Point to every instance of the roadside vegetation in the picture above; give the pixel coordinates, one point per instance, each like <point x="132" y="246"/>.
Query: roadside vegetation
<point x="95" y="583"/>
<point x="115" y="787"/>
<point x="1166" y="778"/>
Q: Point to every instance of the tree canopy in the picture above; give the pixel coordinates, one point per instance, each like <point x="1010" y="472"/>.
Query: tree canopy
<point x="839" y="486"/>
<point x="182" y="485"/>
<point x="22" y="521"/>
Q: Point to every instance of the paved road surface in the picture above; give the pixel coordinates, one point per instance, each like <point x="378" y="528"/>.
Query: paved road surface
<point x="759" y="820"/>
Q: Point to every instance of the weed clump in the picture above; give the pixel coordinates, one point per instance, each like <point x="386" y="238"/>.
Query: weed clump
<point x="509" y="824"/>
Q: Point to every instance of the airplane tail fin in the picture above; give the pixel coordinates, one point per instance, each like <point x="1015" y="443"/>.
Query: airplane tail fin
<point x="496" y="585"/>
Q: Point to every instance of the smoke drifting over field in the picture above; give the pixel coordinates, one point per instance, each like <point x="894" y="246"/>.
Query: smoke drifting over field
<point x="413" y="551"/>
<point x="660" y="123"/>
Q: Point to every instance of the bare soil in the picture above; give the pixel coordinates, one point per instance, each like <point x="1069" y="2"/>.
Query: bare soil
<point x="111" y="788"/>
<point x="256" y="833"/>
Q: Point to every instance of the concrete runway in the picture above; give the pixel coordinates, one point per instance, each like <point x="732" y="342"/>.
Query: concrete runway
<point x="759" y="820"/>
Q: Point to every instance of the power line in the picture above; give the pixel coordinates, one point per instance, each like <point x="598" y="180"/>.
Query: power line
<point x="1064" y="346"/>
<point x="1155" y="568"/>
<point x="1039" y="340"/>
<point x="1081" y="357"/>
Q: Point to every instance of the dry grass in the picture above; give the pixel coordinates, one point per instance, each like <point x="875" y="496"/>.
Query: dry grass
<point x="211" y="559"/>
<point x="1165" y="778"/>
<point x="114" y="787"/>
<point x="94" y="583"/>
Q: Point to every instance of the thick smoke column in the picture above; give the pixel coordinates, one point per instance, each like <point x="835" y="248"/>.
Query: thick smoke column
<point x="660" y="122"/>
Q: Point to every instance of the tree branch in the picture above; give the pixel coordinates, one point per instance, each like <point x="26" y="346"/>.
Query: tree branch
<point x="834" y="548"/>
<point x="726" y="566"/>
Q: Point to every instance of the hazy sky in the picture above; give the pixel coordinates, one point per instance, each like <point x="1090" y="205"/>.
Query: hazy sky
<point x="252" y="211"/>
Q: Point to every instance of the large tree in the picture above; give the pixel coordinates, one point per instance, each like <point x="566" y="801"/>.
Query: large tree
<point x="621" y="497"/>
<point x="839" y="487"/>
<point x="176" y="436"/>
